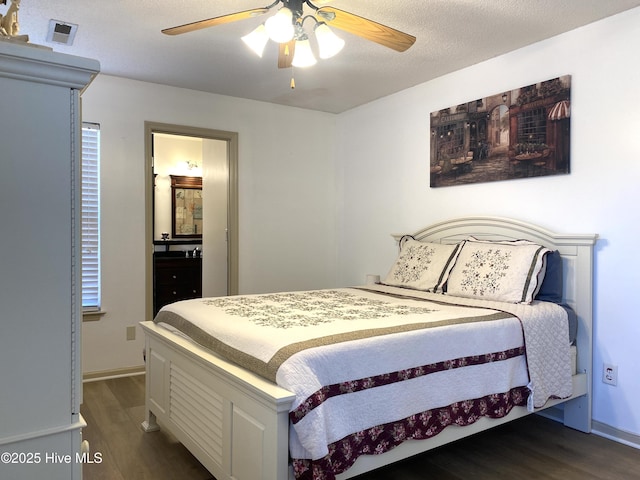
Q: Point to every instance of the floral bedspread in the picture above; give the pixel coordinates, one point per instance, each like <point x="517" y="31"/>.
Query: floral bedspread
<point x="371" y="369"/>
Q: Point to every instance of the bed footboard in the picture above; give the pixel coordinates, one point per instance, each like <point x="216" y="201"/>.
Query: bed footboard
<point x="235" y="423"/>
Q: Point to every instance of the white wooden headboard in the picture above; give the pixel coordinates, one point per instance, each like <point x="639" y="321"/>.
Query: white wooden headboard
<point x="577" y="261"/>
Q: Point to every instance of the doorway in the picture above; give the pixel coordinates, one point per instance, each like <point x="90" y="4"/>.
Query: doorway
<point x="211" y="157"/>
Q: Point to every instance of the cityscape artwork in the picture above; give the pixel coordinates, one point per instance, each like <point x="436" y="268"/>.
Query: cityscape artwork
<point x="519" y="133"/>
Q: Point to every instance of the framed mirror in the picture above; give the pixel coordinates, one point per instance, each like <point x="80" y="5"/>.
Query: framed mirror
<point x="186" y="207"/>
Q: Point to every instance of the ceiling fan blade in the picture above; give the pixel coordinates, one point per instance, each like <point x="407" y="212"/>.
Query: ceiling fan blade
<point x="212" y="22"/>
<point x="285" y="54"/>
<point x="368" y="29"/>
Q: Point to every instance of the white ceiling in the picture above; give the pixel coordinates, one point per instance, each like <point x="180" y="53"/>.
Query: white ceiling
<point x="124" y="35"/>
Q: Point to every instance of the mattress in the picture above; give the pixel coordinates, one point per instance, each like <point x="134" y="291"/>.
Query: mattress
<point x="381" y="361"/>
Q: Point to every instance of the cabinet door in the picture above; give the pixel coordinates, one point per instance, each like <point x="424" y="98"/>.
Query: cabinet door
<point x="36" y="188"/>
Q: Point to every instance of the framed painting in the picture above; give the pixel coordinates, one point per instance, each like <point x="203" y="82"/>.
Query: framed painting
<point x="520" y="133"/>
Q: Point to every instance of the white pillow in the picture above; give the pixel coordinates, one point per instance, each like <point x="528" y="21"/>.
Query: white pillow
<point x="505" y="271"/>
<point x="422" y="265"/>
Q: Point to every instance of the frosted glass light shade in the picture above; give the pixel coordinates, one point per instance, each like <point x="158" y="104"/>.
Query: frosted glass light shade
<point x="329" y="43"/>
<point x="257" y="40"/>
<point x="280" y="26"/>
<point x="303" y="56"/>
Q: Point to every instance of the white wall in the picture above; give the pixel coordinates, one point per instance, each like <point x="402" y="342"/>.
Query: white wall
<point x="170" y="153"/>
<point x="383" y="148"/>
<point x="286" y="209"/>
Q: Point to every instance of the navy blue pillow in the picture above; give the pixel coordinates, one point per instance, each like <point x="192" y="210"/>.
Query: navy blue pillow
<point x="551" y="289"/>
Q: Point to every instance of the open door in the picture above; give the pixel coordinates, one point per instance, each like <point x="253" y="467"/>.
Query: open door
<point x="191" y="211"/>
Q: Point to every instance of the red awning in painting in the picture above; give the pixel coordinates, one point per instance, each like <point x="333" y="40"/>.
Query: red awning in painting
<point x="560" y="111"/>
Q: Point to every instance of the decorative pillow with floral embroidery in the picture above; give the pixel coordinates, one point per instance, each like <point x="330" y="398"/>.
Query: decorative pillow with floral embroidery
<point x="422" y="265"/>
<point x="504" y="271"/>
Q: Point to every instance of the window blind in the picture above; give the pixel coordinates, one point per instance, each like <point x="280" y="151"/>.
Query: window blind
<point x="90" y="216"/>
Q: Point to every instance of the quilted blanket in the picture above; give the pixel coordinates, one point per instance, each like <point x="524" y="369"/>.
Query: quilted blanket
<point x="358" y="359"/>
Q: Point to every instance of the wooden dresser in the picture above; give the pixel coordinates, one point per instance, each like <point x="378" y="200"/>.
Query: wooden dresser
<point x="176" y="278"/>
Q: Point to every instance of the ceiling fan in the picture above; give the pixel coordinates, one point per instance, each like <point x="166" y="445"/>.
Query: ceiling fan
<point x="286" y="29"/>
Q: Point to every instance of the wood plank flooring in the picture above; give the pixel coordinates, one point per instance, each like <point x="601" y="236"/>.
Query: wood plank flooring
<point x="114" y="410"/>
<point x="530" y="448"/>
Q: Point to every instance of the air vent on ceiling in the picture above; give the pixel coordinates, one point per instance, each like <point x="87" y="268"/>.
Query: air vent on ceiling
<point x="61" y="32"/>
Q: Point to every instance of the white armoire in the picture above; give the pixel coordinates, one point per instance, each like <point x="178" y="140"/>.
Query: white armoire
<point x="40" y="271"/>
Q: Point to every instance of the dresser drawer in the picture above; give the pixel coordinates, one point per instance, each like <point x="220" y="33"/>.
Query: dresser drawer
<point x="176" y="279"/>
<point x="169" y="294"/>
<point x="175" y="275"/>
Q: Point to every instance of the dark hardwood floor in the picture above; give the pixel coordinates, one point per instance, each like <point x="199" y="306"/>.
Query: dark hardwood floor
<point x="530" y="448"/>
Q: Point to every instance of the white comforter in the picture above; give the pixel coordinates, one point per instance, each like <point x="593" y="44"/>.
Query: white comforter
<point x="281" y="346"/>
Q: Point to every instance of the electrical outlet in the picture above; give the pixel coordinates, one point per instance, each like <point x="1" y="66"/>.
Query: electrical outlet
<point x="131" y="332"/>
<point x="610" y="374"/>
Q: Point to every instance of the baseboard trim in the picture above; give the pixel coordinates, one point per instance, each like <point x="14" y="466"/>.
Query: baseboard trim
<point x="49" y="432"/>
<point x="115" y="373"/>
<point x="620" y="436"/>
<point x="598" y="428"/>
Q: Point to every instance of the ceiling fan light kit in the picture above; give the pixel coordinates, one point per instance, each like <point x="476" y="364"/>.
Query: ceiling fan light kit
<point x="286" y="28"/>
<point x="280" y="27"/>
<point x="303" y="55"/>
<point x="257" y="39"/>
<point x="329" y="43"/>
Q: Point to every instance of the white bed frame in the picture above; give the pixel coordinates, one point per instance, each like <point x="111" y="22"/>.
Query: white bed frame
<point x="236" y="423"/>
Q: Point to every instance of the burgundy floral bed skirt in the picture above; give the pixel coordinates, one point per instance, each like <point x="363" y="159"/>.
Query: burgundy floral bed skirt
<point x="343" y="453"/>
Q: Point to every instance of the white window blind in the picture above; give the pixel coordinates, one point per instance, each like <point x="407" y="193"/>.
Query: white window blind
<point x="90" y="216"/>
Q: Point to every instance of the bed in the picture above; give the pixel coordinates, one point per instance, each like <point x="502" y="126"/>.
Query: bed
<point x="249" y="408"/>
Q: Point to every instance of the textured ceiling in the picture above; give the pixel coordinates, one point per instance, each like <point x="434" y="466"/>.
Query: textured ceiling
<point x="124" y="35"/>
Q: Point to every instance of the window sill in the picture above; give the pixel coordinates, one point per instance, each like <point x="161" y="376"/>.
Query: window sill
<point x="92" y="315"/>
